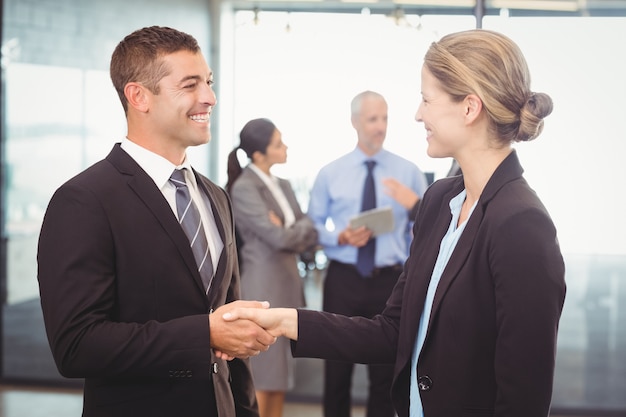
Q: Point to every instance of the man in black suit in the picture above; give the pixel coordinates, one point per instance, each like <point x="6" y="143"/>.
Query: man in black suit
<point x="124" y="303"/>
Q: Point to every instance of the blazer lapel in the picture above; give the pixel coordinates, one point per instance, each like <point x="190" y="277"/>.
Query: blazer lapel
<point x="291" y="198"/>
<point x="457" y="260"/>
<point x="219" y="214"/>
<point x="423" y="257"/>
<point x="145" y="189"/>
<point x="509" y="170"/>
<point x="266" y="194"/>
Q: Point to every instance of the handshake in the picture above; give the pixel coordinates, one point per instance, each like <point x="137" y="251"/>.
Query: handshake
<point x="241" y="329"/>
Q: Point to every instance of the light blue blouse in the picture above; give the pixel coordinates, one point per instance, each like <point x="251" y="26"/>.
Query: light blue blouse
<point x="446" y="247"/>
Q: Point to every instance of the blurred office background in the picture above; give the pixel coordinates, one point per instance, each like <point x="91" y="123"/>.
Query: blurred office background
<point x="300" y="62"/>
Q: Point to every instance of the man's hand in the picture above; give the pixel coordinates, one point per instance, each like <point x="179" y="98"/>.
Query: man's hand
<point x="240" y="338"/>
<point x="356" y="237"/>
<point x="274" y="219"/>
<point x="400" y="192"/>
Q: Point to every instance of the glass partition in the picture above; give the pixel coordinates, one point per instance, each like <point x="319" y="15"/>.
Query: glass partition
<point x="50" y="138"/>
<point x="576" y="168"/>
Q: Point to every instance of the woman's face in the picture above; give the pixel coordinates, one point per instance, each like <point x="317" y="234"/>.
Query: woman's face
<point x="276" y="152"/>
<point x="443" y="118"/>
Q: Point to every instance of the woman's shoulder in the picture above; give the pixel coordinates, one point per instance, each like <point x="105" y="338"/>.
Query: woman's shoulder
<point x="518" y="196"/>
<point x="247" y="179"/>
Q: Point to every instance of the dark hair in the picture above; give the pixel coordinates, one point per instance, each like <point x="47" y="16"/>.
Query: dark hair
<point x="254" y="137"/>
<point x="138" y="57"/>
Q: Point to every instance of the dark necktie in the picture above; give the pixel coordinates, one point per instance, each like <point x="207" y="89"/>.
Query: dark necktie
<point x="367" y="253"/>
<point x="191" y="222"/>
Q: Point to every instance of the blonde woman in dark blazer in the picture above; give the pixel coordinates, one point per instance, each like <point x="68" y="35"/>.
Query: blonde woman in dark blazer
<point x="273" y="230"/>
<point x="472" y="323"/>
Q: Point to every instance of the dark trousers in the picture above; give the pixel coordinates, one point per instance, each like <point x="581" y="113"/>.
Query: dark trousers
<point x="347" y="292"/>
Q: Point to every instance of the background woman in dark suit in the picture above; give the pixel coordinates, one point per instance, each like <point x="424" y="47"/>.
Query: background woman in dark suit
<point x="472" y="323"/>
<point x="272" y="230"/>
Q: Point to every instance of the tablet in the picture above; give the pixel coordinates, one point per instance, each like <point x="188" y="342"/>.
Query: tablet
<point x="378" y="220"/>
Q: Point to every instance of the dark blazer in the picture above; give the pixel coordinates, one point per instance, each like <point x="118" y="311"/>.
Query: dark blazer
<point x="491" y="340"/>
<point x="123" y="302"/>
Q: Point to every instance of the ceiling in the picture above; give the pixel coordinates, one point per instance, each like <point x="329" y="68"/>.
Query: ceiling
<point x="421" y="7"/>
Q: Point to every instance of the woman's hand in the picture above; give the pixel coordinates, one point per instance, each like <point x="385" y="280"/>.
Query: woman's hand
<point x="276" y="321"/>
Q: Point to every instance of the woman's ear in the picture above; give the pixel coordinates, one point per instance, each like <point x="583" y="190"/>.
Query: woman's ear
<point x="137" y="96"/>
<point x="472" y="105"/>
<point x="258" y="156"/>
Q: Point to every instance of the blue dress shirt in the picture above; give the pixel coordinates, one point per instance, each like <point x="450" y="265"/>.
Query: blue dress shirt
<point x="336" y="198"/>
<point x="446" y="247"/>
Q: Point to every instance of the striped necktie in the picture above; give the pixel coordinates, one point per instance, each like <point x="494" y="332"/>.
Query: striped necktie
<point x="191" y="222"/>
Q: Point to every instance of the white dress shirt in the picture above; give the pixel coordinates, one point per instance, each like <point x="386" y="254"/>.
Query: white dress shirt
<point x="160" y="170"/>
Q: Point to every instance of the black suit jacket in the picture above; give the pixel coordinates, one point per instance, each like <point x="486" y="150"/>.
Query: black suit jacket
<point x="123" y="302"/>
<point x="491" y="339"/>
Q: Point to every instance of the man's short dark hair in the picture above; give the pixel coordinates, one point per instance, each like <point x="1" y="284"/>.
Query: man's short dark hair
<point x="138" y="57"/>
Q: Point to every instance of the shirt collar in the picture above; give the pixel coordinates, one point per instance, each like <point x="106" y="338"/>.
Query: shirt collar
<point x="266" y="178"/>
<point x="157" y="167"/>
<point x="360" y="156"/>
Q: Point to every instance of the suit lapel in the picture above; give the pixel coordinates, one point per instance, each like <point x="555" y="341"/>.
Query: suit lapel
<point x="509" y="170"/>
<point x="220" y="212"/>
<point x="266" y="194"/>
<point x="145" y="189"/>
<point x="291" y="198"/>
<point x="423" y="257"/>
<point x="457" y="260"/>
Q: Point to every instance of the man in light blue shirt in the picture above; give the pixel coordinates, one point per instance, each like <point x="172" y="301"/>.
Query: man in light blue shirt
<point x="336" y="197"/>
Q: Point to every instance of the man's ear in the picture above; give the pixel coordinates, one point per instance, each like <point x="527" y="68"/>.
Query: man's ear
<point x="353" y="120"/>
<point x="472" y="106"/>
<point x="137" y="96"/>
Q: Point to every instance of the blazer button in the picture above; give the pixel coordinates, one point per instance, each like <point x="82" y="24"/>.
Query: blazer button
<point x="214" y="367"/>
<point x="424" y="383"/>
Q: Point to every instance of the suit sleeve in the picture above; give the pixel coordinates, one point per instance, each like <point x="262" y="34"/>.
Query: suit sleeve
<point x="530" y="290"/>
<point x="79" y="296"/>
<point x="356" y="339"/>
<point x="420" y="184"/>
<point x="318" y="211"/>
